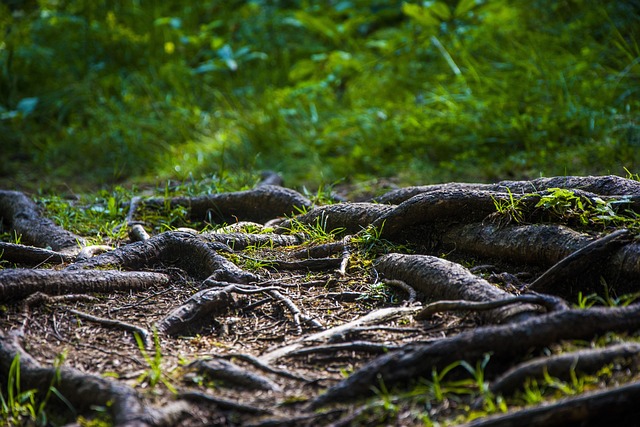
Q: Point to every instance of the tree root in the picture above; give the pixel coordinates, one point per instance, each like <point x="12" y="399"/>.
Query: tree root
<point x="603" y="185"/>
<point x="549" y="302"/>
<point x="439" y="279"/>
<point x="359" y="346"/>
<point x="23" y="216"/>
<point x="613" y="406"/>
<point x="547" y="245"/>
<point x="207" y="303"/>
<point x="32" y="256"/>
<point x="241" y="241"/>
<point x="187" y="251"/>
<point x="411" y="293"/>
<point x="444" y="206"/>
<point x="503" y="342"/>
<point x="561" y="365"/>
<point x="137" y="233"/>
<point x="346" y="217"/>
<point x="232" y="375"/>
<point x="265" y="367"/>
<point x="83" y="391"/>
<point x="319" y="251"/>
<point x="259" y="204"/>
<point x="579" y="261"/>
<point x="20" y="283"/>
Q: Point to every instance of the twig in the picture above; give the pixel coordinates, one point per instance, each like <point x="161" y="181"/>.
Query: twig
<point x="362" y="346"/>
<point x="112" y="323"/>
<point x="228" y="372"/>
<point x="295" y="311"/>
<point x="376" y="316"/>
<point x="197" y="396"/>
<point x="265" y="367"/>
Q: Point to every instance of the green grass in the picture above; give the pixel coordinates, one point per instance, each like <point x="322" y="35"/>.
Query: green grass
<point x="99" y="94"/>
<point x="155" y="374"/>
<point x="27" y="407"/>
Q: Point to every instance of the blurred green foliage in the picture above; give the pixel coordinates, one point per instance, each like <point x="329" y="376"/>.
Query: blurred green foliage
<point x="98" y="92"/>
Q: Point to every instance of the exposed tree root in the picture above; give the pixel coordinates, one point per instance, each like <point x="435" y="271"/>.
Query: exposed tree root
<point x="604" y="185"/>
<point x="23" y="216"/>
<point x="232" y="375"/>
<point x="439" y="279"/>
<point x="267" y="368"/>
<point x="547" y="245"/>
<point x="360" y="346"/>
<point x="344" y="217"/>
<point x="240" y="241"/>
<point x="443" y="206"/>
<point x="550" y="303"/>
<point x="31" y="256"/>
<point x="503" y="342"/>
<point x="195" y="396"/>
<point x="411" y="293"/>
<point x="83" y="391"/>
<point x="579" y="261"/>
<point x="562" y="365"/>
<point x="20" y="283"/>
<point x="137" y="233"/>
<point x="187" y="251"/>
<point x="259" y="204"/>
<point x="542" y="245"/>
<point x="613" y="406"/>
<point x="207" y="303"/>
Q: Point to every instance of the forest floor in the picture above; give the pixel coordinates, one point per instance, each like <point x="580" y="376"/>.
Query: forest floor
<point x="455" y="304"/>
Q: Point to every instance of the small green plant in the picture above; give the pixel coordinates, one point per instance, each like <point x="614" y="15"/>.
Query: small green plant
<point x="322" y="196"/>
<point x="586" y="301"/>
<point x="19" y="406"/>
<point x="632" y="176"/>
<point x="491" y="403"/>
<point x="17" y="238"/>
<point x="155" y="374"/>
<point x="607" y="299"/>
<point x="511" y="208"/>
<point x="385" y="399"/>
<point x="566" y="206"/>
<point x="576" y="385"/>
<point x="317" y="232"/>
<point x="532" y="393"/>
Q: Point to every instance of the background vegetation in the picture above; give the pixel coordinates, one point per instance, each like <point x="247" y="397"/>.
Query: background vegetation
<point x="98" y="92"/>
